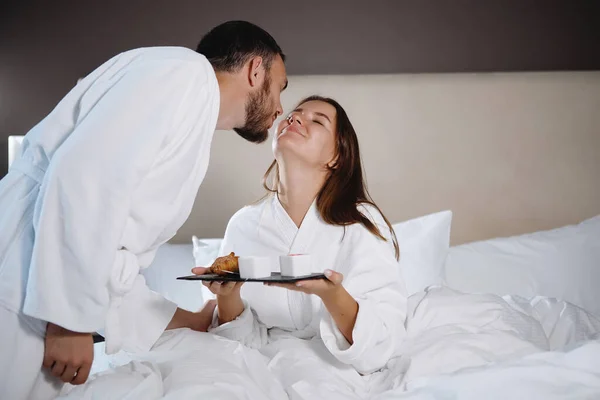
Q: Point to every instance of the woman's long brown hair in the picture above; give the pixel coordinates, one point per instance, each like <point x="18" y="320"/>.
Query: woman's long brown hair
<point x="344" y="190"/>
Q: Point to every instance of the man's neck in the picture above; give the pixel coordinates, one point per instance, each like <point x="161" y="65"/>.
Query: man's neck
<point x="298" y="188"/>
<point x="230" y="106"/>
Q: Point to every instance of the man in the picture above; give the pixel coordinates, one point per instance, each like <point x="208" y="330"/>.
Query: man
<point x="107" y="177"/>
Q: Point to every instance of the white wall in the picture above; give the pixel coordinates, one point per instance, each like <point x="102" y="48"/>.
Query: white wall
<point x="508" y="153"/>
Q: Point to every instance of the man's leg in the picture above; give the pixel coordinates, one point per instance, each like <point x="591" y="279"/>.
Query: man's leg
<point x="21" y="374"/>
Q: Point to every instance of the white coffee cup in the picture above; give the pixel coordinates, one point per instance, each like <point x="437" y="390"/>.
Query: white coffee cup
<point x="254" y="267"/>
<point x="295" y="265"/>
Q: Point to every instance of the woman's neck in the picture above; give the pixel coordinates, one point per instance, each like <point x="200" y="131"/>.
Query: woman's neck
<point x="298" y="188"/>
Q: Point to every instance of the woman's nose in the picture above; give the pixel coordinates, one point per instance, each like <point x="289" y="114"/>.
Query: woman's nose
<point x="295" y="118"/>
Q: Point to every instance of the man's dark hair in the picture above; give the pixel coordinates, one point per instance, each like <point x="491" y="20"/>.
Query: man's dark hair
<point x="230" y="45"/>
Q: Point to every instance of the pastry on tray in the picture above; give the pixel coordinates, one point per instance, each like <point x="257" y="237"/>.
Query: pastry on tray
<point x="225" y="265"/>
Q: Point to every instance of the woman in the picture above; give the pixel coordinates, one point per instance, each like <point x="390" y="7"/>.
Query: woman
<point x="318" y="205"/>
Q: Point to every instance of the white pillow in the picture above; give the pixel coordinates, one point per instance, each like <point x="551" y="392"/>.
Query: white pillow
<point x="424" y="244"/>
<point x="205" y="252"/>
<point x="563" y="263"/>
<point x="174" y="260"/>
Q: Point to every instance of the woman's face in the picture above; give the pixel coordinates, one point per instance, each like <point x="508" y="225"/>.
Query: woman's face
<point x="307" y="134"/>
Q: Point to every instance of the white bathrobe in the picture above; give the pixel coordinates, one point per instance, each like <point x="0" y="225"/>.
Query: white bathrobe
<point x="107" y="177"/>
<point x="271" y="314"/>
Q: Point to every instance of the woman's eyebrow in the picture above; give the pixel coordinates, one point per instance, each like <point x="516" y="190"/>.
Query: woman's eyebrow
<point x="320" y="114"/>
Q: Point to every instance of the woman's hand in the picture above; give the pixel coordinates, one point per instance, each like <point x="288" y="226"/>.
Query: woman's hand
<point x="340" y="304"/>
<point x="229" y="300"/>
<point x="220" y="289"/>
<point x="324" y="288"/>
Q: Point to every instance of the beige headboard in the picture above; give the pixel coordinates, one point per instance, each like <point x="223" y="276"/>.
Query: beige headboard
<point x="508" y="153"/>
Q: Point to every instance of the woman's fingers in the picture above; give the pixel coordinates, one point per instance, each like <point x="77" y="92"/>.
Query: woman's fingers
<point x="215" y="287"/>
<point x="290" y="286"/>
<point x="221" y="288"/>
<point x="199" y="270"/>
<point x="319" y="287"/>
<point x="334" y="277"/>
<point x="212" y="286"/>
<point x="228" y="286"/>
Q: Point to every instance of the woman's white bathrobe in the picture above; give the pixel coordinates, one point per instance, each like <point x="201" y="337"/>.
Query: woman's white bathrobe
<point x="371" y="276"/>
<point x="108" y="176"/>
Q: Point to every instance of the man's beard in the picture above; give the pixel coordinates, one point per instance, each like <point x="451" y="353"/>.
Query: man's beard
<point x="258" y="116"/>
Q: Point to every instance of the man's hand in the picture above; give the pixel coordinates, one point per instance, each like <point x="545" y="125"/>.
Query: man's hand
<point x="197" y="321"/>
<point x="68" y="354"/>
<point x="203" y="318"/>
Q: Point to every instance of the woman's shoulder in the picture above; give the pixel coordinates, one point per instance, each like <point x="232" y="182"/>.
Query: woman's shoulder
<point x="373" y="214"/>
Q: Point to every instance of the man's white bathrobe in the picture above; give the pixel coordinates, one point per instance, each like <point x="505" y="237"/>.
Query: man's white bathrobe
<point x="107" y="177"/>
<point x="271" y="314"/>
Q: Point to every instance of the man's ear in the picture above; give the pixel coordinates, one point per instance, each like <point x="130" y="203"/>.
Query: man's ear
<point x="256" y="71"/>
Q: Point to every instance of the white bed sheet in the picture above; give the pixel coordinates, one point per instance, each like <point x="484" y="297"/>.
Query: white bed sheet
<point x="572" y="375"/>
<point x="459" y="346"/>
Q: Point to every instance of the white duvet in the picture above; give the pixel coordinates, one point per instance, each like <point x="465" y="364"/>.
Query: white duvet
<point x="458" y="346"/>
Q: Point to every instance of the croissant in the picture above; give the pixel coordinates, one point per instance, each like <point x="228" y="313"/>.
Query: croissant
<point x="225" y="264"/>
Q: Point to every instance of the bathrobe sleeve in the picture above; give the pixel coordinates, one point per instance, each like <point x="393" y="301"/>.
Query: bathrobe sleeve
<point x="246" y="328"/>
<point x="78" y="261"/>
<point x="372" y="277"/>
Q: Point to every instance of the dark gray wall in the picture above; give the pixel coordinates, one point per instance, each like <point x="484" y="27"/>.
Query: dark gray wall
<point x="46" y="45"/>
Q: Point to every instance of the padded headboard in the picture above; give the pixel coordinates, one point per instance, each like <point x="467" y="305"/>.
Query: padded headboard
<point x="509" y="153"/>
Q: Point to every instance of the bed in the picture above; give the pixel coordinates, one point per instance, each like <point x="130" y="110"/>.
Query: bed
<point x="500" y="252"/>
<point x="513" y="317"/>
